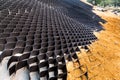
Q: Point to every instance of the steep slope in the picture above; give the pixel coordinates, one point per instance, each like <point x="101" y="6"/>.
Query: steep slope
<point x="38" y="37"/>
<point x="103" y="60"/>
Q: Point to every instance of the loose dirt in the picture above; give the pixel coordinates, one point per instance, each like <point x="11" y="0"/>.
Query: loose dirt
<point x="102" y="62"/>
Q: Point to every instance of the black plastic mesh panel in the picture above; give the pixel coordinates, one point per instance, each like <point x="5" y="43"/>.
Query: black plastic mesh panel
<point x="42" y="32"/>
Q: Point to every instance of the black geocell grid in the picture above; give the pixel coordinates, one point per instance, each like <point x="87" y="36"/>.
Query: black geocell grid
<point x="41" y="33"/>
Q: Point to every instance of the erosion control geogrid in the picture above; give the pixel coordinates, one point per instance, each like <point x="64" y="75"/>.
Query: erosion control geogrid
<point x="41" y="35"/>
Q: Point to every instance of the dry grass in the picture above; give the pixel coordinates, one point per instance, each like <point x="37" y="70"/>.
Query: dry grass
<point x="103" y="61"/>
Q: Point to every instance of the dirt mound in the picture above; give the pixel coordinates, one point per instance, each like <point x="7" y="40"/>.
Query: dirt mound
<point x="103" y="59"/>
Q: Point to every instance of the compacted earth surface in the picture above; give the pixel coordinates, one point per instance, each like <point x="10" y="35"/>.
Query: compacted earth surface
<point x="102" y="61"/>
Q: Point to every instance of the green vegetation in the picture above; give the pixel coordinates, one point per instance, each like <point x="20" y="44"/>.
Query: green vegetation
<point x="104" y="3"/>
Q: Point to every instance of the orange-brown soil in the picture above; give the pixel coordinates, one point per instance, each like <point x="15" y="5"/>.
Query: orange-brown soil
<point x="102" y="62"/>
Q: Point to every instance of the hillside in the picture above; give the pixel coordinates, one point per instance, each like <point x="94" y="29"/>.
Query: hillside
<point x="57" y="40"/>
<point x="103" y="59"/>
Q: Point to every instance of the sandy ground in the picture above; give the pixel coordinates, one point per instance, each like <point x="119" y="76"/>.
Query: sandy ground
<point x="103" y="59"/>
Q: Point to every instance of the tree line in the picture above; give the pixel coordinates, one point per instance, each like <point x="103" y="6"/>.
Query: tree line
<point x="105" y="3"/>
